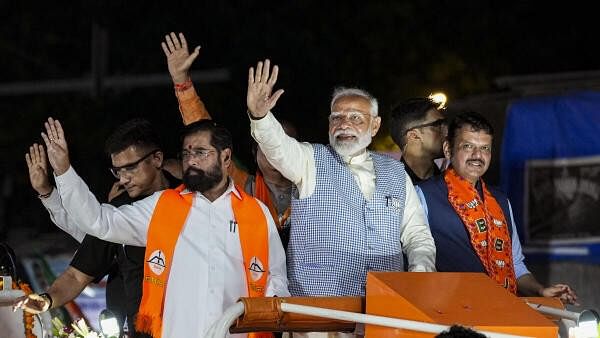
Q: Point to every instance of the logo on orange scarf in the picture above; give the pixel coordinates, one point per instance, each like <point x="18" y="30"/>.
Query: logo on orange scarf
<point x="157" y="262"/>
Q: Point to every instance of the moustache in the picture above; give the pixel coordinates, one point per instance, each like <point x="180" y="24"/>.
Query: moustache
<point x="195" y="171"/>
<point x="345" y="133"/>
<point x="481" y="162"/>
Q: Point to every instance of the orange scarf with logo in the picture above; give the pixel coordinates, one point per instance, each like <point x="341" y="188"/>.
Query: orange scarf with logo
<point x="165" y="226"/>
<point x="487" y="228"/>
<point x="262" y="193"/>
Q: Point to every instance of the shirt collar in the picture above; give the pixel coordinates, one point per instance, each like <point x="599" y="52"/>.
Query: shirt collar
<point x="231" y="188"/>
<point x="356" y="159"/>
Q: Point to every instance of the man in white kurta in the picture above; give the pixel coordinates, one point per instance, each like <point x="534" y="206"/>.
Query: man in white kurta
<point x="207" y="271"/>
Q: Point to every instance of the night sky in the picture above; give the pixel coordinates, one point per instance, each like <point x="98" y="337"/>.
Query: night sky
<point x="394" y="49"/>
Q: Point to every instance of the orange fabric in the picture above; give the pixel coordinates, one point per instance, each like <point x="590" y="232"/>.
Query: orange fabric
<point x="167" y="221"/>
<point x="487" y="228"/>
<point x="165" y="226"/>
<point x="261" y="191"/>
<point x="253" y="225"/>
<point x="191" y="107"/>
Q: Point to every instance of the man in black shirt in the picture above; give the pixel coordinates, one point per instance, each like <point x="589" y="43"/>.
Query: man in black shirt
<point x="137" y="162"/>
<point x="419" y="129"/>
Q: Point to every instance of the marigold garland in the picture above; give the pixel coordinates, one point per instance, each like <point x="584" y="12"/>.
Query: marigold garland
<point x="27" y="317"/>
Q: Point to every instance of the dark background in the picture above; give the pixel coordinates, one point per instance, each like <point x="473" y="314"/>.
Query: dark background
<point x="394" y="49"/>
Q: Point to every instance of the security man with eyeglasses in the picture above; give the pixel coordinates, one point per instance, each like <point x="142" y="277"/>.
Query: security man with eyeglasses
<point x="419" y="128"/>
<point x="137" y="161"/>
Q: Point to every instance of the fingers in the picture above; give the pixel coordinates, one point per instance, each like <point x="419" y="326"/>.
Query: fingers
<point x="274" y="75"/>
<point x="46" y="140"/>
<point x="266" y="69"/>
<point x="28" y="160"/>
<point x="51" y="128"/>
<point x="273" y="99"/>
<point x="60" y="134"/>
<point x="170" y="43"/>
<point x="165" y="49"/>
<point x="259" y="68"/>
<point x="188" y="62"/>
<point x="42" y="159"/>
<point x="175" y="41"/>
<point x="251" y="76"/>
<point x="183" y="41"/>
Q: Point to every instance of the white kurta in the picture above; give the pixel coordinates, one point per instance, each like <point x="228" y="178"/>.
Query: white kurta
<point x="207" y="271"/>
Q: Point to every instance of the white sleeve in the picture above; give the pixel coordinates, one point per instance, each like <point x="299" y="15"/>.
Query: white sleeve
<point x="127" y="224"/>
<point x="294" y="160"/>
<point x="417" y="242"/>
<point x="59" y="216"/>
<point x="277" y="283"/>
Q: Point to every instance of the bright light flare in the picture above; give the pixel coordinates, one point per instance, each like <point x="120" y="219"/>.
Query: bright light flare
<point x="439" y="98"/>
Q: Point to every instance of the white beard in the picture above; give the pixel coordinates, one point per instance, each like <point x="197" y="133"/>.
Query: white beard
<point x="353" y="147"/>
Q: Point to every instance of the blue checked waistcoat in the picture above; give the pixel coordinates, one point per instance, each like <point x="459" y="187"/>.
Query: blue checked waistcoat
<point x="337" y="236"/>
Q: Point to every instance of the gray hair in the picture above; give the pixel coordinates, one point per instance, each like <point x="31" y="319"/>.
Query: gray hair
<point x="341" y="92"/>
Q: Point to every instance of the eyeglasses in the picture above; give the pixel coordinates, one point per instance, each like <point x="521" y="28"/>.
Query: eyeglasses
<point x="357" y="118"/>
<point x="437" y="123"/>
<point x="130" y="168"/>
<point x="201" y="154"/>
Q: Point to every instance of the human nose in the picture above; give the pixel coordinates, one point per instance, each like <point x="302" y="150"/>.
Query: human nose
<point x="124" y="177"/>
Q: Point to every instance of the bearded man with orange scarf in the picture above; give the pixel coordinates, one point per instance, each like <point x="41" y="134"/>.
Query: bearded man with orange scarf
<point x="472" y="223"/>
<point x="207" y="242"/>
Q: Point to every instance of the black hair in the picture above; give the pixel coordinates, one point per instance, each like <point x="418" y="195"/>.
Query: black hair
<point x="220" y="137"/>
<point x="457" y="331"/>
<point x="137" y="132"/>
<point x="406" y="113"/>
<point x="473" y="119"/>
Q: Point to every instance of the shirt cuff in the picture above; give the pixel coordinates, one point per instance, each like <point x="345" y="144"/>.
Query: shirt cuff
<point x="260" y="128"/>
<point x="53" y="201"/>
<point x="66" y="180"/>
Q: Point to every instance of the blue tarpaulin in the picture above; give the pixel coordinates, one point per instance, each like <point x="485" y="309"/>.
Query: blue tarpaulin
<point x="554" y="127"/>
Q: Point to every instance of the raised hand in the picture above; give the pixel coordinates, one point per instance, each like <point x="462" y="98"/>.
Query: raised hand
<point x="179" y="60"/>
<point x="58" y="152"/>
<point x="260" y="86"/>
<point x="562" y="291"/>
<point x="38" y="169"/>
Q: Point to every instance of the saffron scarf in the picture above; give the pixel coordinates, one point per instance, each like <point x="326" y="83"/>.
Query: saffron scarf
<point x="486" y="226"/>
<point x="167" y="221"/>
<point x="261" y="191"/>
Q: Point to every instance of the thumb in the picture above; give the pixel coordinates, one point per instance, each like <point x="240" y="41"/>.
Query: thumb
<point x="275" y="97"/>
<point x="188" y="62"/>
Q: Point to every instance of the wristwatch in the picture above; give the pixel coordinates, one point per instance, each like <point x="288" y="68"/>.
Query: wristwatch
<point x="46" y="296"/>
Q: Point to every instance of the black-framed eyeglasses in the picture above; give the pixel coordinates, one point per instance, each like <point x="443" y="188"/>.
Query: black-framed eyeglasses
<point x="130" y="168"/>
<point x="437" y="123"/>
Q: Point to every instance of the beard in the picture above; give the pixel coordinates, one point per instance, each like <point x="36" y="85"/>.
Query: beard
<point x="352" y="146"/>
<point x="202" y="181"/>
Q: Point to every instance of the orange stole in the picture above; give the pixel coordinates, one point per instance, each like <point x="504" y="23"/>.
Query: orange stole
<point x="165" y="226"/>
<point x="262" y="193"/>
<point x="487" y="228"/>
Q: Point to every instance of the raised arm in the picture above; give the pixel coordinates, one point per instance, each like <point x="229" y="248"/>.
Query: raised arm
<point x="37" y="166"/>
<point x="179" y="61"/>
<point x="127" y="225"/>
<point x="294" y="160"/>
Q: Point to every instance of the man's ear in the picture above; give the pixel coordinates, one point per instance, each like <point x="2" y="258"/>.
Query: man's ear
<point x="157" y="159"/>
<point x="375" y="126"/>
<point x="447" y="150"/>
<point x="412" y="134"/>
<point x="226" y="156"/>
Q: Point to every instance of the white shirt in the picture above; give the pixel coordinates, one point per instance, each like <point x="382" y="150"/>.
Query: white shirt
<point x="59" y="216"/>
<point x="207" y="271"/>
<point x="295" y="161"/>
